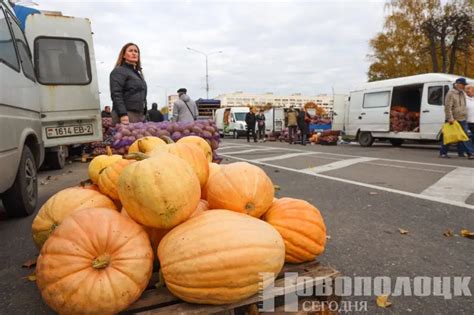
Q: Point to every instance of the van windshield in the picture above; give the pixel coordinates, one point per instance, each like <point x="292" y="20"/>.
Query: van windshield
<point x="239" y="116"/>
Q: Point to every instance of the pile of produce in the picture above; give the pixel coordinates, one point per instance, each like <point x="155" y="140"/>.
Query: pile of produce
<point x="403" y="120"/>
<point x="213" y="228"/>
<point x="328" y="137"/>
<point x="121" y="137"/>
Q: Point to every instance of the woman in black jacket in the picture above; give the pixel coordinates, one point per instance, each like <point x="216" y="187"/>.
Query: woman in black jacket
<point x="128" y="88"/>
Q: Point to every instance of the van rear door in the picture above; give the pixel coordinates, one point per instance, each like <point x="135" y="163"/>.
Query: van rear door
<point x="374" y="114"/>
<point x="64" y="58"/>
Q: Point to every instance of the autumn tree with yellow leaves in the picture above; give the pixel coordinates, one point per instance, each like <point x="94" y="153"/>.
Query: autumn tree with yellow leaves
<point x="421" y="36"/>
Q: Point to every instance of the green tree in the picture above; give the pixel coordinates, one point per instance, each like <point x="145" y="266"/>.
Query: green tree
<point x="415" y="41"/>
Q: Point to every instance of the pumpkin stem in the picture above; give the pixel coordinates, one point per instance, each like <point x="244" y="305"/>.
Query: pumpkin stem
<point x="101" y="261"/>
<point x="249" y="206"/>
<point x="167" y="139"/>
<point x="109" y="151"/>
<point x="138" y="156"/>
<point x="140" y="146"/>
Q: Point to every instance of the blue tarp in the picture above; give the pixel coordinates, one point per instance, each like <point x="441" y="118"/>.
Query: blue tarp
<point x="22" y="13"/>
<point x="319" y="127"/>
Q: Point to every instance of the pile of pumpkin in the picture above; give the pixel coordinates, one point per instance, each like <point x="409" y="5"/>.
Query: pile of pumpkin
<point x="98" y="242"/>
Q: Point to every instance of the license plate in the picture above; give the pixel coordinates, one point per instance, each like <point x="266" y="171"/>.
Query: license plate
<point x="69" y="131"/>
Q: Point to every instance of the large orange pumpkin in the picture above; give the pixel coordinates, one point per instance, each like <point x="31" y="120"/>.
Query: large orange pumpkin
<point x="100" y="162"/>
<point x="160" y="192"/>
<point x="216" y="257"/>
<point x="109" y="178"/>
<point x="145" y="145"/>
<point x="192" y="154"/>
<point x="213" y="169"/>
<point x="301" y="226"/>
<point x="205" y="147"/>
<point x="96" y="262"/>
<point x="63" y="204"/>
<point x="240" y="187"/>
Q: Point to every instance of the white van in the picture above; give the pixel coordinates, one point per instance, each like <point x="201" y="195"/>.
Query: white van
<point x="68" y="89"/>
<point x="231" y="121"/>
<point x="21" y="144"/>
<point x="398" y="109"/>
<point x="45" y="103"/>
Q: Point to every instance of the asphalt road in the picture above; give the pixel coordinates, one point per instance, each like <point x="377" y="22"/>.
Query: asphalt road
<point x="364" y="194"/>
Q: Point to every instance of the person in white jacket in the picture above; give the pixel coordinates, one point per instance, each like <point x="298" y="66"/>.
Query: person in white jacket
<point x="469" y="93"/>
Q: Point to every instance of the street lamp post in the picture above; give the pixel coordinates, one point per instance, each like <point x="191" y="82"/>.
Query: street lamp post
<point x="207" y="72"/>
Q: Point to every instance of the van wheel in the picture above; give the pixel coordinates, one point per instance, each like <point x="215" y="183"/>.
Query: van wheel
<point x="236" y="134"/>
<point x="20" y="200"/>
<point x="396" y="142"/>
<point x="56" y="160"/>
<point x="366" y="139"/>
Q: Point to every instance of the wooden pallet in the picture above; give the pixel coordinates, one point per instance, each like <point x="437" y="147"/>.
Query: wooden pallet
<point x="161" y="301"/>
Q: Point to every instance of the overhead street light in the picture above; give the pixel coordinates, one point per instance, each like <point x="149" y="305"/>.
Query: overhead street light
<point x="207" y="72"/>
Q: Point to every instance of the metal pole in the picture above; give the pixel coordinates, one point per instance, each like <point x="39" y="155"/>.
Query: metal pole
<point x="207" y="79"/>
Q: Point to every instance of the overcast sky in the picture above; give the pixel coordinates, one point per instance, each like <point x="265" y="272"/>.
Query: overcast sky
<point x="267" y="46"/>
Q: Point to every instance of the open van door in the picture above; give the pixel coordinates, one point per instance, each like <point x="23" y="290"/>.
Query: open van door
<point x="339" y="110"/>
<point x="432" y="109"/>
<point x="63" y="54"/>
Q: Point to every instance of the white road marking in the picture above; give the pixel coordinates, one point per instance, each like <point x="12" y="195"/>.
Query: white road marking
<point x="358" y="156"/>
<point x="400" y="192"/>
<point x="285" y="156"/>
<point x="336" y="165"/>
<point x="408" y="167"/>
<point x="457" y="185"/>
<point x="247" y="151"/>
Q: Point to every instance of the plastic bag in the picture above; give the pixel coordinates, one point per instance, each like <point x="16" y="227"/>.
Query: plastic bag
<point x="453" y="133"/>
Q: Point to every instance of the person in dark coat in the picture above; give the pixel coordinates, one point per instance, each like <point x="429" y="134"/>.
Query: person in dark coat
<point x="251" y="120"/>
<point x="261" y="125"/>
<point x="106" y="112"/>
<point x="128" y="88"/>
<point x="154" y="114"/>
<point x="303" y="124"/>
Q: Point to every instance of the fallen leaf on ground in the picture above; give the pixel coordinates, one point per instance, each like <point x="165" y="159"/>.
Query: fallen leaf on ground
<point x="48" y="177"/>
<point x="44" y="182"/>
<point x="328" y="237"/>
<point x="31" y="277"/>
<point x="467" y="233"/>
<point x="402" y="231"/>
<point x="277" y="171"/>
<point x="29" y="263"/>
<point x="373" y="193"/>
<point x="382" y="301"/>
<point x="276" y="187"/>
<point x="448" y="233"/>
<point x="69" y="171"/>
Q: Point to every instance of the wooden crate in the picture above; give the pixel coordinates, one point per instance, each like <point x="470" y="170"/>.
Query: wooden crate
<point x="161" y="301"/>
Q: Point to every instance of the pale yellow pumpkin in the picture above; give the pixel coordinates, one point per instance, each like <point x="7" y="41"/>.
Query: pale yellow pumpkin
<point x="63" y="204"/>
<point x="205" y="147"/>
<point x="160" y="192"/>
<point x="217" y="257"/>
<point x="192" y="154"/>
<point x="145" y="145"/>
<point x="100" y="162"/>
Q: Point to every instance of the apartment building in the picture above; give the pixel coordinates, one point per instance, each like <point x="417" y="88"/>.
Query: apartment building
<point x="297" y="100"/>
